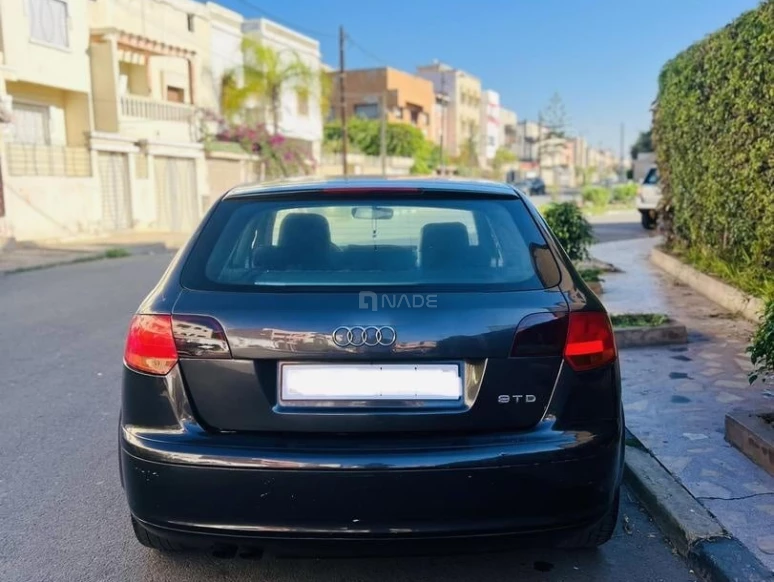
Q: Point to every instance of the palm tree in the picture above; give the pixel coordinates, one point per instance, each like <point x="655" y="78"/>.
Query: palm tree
<point x="266" y="73"/>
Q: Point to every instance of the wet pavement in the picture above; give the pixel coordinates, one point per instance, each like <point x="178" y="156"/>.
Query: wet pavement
<point x="676" y="398"/>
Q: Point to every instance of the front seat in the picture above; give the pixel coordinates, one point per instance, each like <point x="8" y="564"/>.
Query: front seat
<point x="444" y="245"/>
<point x="305" y="242"/>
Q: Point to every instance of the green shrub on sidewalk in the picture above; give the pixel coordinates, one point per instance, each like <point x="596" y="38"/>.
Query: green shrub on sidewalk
<point x="761" y="349"/>
<point x="571" y="228"/>
<point x="624" y="193"/>
<point x="597" y="196"/>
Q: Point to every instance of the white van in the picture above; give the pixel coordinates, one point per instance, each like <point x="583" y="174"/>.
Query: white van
<point x="648" y="199"/>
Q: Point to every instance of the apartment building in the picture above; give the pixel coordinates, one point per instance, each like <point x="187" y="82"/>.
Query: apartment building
<point x="528" y="136"/>
<point x="490" y="125"/>
<point x="464" y="108"/>
<point x="151" y="73"/>
<point x="103" y="99"/>
<point x="46" y="170"/>
<point x="508" y="122"/>
<point x="300" y="115"/>
<point x="406" y="98"/>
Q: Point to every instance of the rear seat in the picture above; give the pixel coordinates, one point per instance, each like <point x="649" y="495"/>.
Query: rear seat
<point x="381" y="257"/>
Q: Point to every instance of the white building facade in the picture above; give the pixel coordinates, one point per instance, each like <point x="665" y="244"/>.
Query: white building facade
<point x="225" y="45"/>
<point x="490" y="123"/>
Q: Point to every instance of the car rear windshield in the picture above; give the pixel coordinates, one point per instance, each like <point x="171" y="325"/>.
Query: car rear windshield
<point x="321" y="242"/>
<point x="652" y="178"/>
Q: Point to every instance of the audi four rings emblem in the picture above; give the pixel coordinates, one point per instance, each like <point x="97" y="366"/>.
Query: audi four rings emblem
<point x="370" y="336"/>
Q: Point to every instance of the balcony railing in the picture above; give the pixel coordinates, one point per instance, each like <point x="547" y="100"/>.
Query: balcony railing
<point x="46" y="160"/>
<point x="142" y="107"/>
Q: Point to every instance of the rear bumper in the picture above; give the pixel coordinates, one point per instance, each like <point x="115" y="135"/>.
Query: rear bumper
<point x="266" y="499"/>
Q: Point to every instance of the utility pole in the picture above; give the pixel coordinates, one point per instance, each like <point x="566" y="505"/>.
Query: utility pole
<point x="383" y="133"/>
<point x="539" y="145"/>
<point x="343" y="100"/>
<point x="621" y="155"/>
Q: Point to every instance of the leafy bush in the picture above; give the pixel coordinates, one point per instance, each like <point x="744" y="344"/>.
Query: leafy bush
<point x="596" y="195"/>
<point x="624" y="193"/>
<point x="591" y="275"/>
<point x="364" y="135"/>
<point x="639" y="319"/>
<point x="761" y="349"/>
<point x="571" y="228"/>
<point x="714" y="139"/>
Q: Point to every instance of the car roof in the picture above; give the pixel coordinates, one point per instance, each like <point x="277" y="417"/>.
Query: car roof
<point x="292" y="185"/>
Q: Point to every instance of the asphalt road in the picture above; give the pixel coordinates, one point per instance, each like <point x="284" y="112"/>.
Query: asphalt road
<point x="62" y="512"/>
<point x="619" y="225"/>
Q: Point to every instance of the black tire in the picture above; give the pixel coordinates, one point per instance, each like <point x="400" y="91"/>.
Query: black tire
<point x="151" y="540"/>
<point x="599" y="534"/>
<point x="648" y="222"/>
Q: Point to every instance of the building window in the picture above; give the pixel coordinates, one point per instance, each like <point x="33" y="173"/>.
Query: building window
<point x="31" y="124"/>
<point x="302" y="98"/>
<point x="175" y="94"/>
<point x="398" y="113"/>
<point x="48" y="22"/>
<point x="191" y="21"/>
<point x="367" y="110"/>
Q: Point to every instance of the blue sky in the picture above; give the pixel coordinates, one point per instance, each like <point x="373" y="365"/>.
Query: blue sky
<point x="602" y="56"/>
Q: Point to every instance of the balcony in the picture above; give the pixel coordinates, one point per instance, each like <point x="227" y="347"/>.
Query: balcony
<point x="152" y="95"/>
<point x="146" y="118"/>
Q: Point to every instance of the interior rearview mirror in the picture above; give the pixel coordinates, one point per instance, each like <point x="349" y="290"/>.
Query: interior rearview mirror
<point x="372" y="212"/>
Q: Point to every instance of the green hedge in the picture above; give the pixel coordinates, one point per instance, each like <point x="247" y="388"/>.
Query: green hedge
<point x="596" y="195"/>
<point x="714" y="135"/>
<point x="624" y="193"/>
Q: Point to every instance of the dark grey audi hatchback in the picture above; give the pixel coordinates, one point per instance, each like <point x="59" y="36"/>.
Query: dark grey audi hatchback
<point x="367" y="364"/>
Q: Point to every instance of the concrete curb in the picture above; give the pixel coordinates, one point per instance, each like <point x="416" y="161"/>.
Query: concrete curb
<point x="748" y="432"/>
<point x="715" y="555"/>
<point x="85" y="257"/>
<point x="721" y="293"/>
<point x="670" y="333"/>
<point x="87" y="254"/>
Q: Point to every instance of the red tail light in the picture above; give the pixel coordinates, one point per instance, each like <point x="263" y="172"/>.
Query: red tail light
<point x="590" y="341"/>
<point x="150" y="345"/>
<point x="356" y="191"/>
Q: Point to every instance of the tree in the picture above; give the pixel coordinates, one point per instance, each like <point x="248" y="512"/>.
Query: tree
<point x="364" y="135"/>
<point x="266" y="73"/>
<point x="554" y="118"/>
<point x="468" y="157"/>
<point x="555" y="122"/>
<point x="502" y="157"/>
<point x="644" y="144"/>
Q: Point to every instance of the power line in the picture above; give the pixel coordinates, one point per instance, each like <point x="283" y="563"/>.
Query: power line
<point x="366" y="51"/>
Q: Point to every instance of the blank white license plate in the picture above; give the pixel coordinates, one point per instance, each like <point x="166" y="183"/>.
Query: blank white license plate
<point x="310" y="383"/>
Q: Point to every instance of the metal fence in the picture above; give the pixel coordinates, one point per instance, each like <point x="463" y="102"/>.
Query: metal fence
<point x="46" y="160"/>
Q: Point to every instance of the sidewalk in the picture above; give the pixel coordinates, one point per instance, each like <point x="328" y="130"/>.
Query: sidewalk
<point x="675" y="399"/>
<point x="24" y="256"/>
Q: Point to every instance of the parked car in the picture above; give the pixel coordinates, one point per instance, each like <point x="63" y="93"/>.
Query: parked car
<point x="270" y="402"/>
<point x="531" y="186"/>
<point x="537" y="187"/>
<point x="649" y="198"/>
